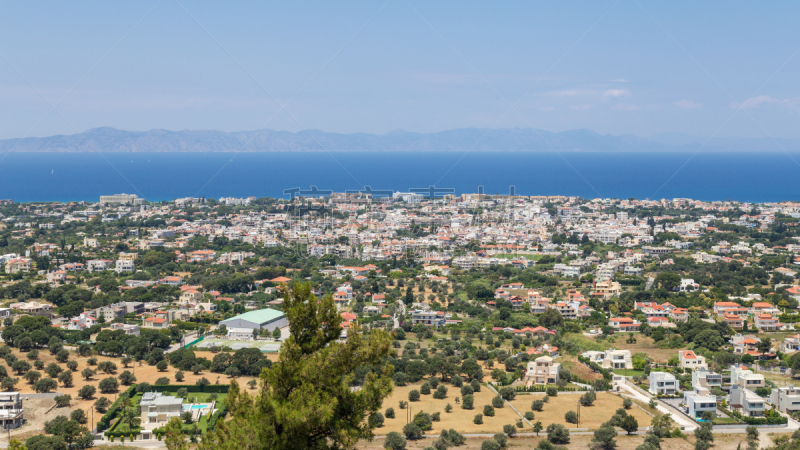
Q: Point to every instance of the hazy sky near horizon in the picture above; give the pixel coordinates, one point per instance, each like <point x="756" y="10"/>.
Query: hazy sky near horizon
<point x="626" y="67"/>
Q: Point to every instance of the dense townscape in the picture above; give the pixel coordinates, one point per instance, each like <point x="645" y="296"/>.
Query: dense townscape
<point x="513" y="316"/>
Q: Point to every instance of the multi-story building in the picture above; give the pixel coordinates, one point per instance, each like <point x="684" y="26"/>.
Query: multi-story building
<point x="611" y="359"/>
<point x="689" y="360"/>
<point x="663" y="383"/>
<point x="11" y="410"/>
<point x="786" y="399"/>
<point x="542" y="370"/>
<point x="121" y="199"/>
<point x="698" y="401"/>
<point x="434" y="318"/>
<point x="746" y="401"/>
<point x="790" y="344"/>
<point x="624" y="324"/>
<point x="124" y="265"/>
<point x="157" y="408"/>
<point x="744" y="377"/>
<point x="706" y="379"/>
<point x="766" y="322"/>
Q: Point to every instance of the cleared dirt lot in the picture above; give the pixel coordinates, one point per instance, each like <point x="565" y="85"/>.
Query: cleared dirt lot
<point x="591" y="416"/>
<point x="458" y="419"/>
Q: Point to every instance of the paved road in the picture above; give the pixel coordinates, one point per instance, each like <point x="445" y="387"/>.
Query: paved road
<point x="649" y="284"/>
<point x="188" y="338"/>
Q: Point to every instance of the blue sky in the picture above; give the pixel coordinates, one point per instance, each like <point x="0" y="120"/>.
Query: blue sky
<point x="627" y="67"/>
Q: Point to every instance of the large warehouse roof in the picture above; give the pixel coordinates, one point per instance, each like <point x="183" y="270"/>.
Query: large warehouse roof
<point x="258" y="316"/>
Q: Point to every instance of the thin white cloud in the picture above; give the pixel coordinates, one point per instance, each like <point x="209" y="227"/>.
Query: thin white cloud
<point x="753" y="102"/>
<point x="688" y="104"/>
<point x="613" y="93"/>
<point x="568" y="93"/>
<point x="583" y="107"/>
<point x="619" y="80"/>
<point x="624" y="107"/>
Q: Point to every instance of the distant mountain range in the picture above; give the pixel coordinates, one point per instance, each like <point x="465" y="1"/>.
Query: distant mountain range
<point x="108" y="139"/>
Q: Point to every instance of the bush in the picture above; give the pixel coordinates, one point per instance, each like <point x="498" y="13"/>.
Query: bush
<point x="376" y="420"/>
<point x="87" y="391"/>
<point x="425" y="389"/>
<point x="571" y="417"/>
<point x="62" y="400"/>
<point x="412" y="431"/>
<point x="488" y="410"/>
<point x="588" y="398"/>
<point x="163" y="381"/>
<point x="423" y="421"/>
<point x="399" y="379"/>
<point x="102" y="404"/>
<point x="441" y="392"/>
<point x="537" y="405"/>
<point x="448" y="407"/>
<point x="478" y="419"/>
<point x="394" y="441"/>
<point x="179" y="376"/>
<point x="508" y="393"/>
<point x="497" y="401"/>
<point x="162" y="365"/>
<point x="108" y="385"/>
<point x="557" y="434"/>
<point x="476" y="385"/>
<point x="413" y="396"/>
<point x="552" y="392"/>
<point x="72" y="365"/>
<point x="510" y="430"/>
<point x="389" y="413"/>
<point x="468" y="401"/>
<point x="44" y="385"/>
<point x="529" y="415"/>
<point x="434" y="382"/>
<point x="436" y="416"/>
<point x="457" y="381"/>
<point x="490" y="444"/>
<point x="627" y="403"/>
<point x="79" y="416"/>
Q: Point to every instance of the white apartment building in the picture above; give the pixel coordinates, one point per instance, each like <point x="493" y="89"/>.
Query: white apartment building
<point x="611" y="359"/>
<point x="663" y="383"/>
<point x="741" y="376"/>
<point x="746" y="401"/>
<point x="124" y="265"/>
<point x="786" y="399"/>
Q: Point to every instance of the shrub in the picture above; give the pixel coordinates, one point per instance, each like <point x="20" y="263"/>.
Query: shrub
<point x="163" y="381"/>
<point x="87" y="373"/>
<point x="529" y="415"/>
<point x="389" y="413"/>
<point x="557" y="434"/>
<point x="441" y="392"/>
<point x="627" y="403"/>
<point x="72" y="365"/>
<point x="79" y="416"/>
<point x="413" y="396"/>
<point x="478" y="419"/>
<point x="87" y="391"/>
<point x="537" y="405"/>
<point x="108" y="385"/>
<point x="162" y="365"/>
<point x="403" y="404"/>
<point x="179" y="376"/>
<point x="62" y="356"/>
<point x="436" y="416"/>
<point x="423" y="420"/>
<point x="510" y="430"/>
<point x="434" y="382"/>
<point x="65" y="378"/>
<point x="448" y="407"/>
<point x="44" y="385"/>
<point x="552" y="392"/>
<point x="490" y="444"/>
<point x="102" y="404"/>
<point x="476" y="385"/>
<point x="376" y="420"/>
<point x="488" y="410"/>
<point x="425" y="389"/>
<point x="62" y="400"/>
<point x="497" y="401"/>
<point x="399" y="379"/>
<point x="508" y="393"/>
<point x="394" y="441"/>
<point x="468" y="401"/>
<point x="457" y="381"/>
<point x="412" y="431"/>
<point x="466" y="390"/>
<point x="571" y="417"/>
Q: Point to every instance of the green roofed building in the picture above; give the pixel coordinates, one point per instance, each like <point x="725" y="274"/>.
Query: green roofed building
<point x="262" y="318"/>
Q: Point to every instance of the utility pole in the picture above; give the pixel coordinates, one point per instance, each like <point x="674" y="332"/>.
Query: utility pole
<point x="579" y="415"/>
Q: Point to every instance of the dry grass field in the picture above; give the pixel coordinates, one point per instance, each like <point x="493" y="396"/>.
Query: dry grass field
<point x="458" y="419"/>
<point x="591" y="417"/>
<point x="643" y="345"/>
<point x="143" y="373"/>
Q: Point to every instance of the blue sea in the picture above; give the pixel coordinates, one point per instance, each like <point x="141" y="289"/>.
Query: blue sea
<point x="762" y="177"/>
